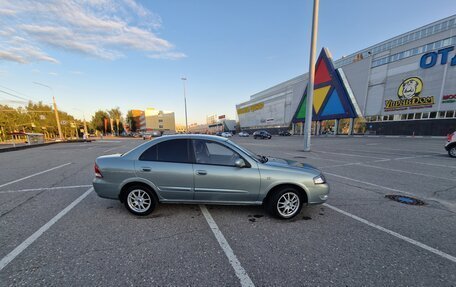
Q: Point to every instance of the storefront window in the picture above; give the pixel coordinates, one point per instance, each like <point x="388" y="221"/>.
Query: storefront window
<point x="359" y="126"/>
<point x="425" y="116"/>
<point x="442" y="114"/>
<point x="418" y="116"/>
<point x="450" y="114"/>
<point x="327" y="127"/>
<point x="344" y="126"/>
<point x="433" y="115"/>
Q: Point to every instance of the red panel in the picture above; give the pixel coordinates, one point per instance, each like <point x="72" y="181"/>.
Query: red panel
<point x="322" y="74"/>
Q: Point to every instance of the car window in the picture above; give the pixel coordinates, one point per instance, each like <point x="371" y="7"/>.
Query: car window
<point x="168" y="151"/>
<point x="209" y="152"/>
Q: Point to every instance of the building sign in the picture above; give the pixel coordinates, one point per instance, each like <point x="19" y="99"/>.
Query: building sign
<point x="429" y="60"/>
<point x="409" y="96"/>
<point x="251" y="108"/>
<point x="448" y="99"/>
<point x="330" y="98"/>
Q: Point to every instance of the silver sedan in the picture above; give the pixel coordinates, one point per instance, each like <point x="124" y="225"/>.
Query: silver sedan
<point x="204" y="169"/>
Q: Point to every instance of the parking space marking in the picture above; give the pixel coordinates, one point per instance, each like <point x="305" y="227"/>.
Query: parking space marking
<point x="348" y="154"/>
<point x="339" y="165"/>
<point x="26" y="243"/>
<point x="408" y="172"/>
<point x="311" y="157"/>
<point x="238" y="269"/>
<point x="35" y="174"/>
<point x="371" y="184"/>
<point x="395" y="234"/>
<point x="110" y="149"/>
<point x="45" y="188"/>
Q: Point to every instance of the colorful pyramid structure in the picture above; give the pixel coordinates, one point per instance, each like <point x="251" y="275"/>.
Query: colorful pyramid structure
<point x="331" y="100"/>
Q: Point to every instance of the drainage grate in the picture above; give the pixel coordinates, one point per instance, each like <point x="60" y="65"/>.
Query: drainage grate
<point x="405" y="199"/>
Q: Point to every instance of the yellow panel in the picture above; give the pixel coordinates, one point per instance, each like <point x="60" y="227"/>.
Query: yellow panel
<point x="319" y="97"/>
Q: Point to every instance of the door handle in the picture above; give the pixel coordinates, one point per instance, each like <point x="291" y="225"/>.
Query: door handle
<point x="146" y="169"/>
<point x="201" y="172"/>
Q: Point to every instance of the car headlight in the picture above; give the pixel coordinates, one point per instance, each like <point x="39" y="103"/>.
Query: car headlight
<point x="319" y="179"/>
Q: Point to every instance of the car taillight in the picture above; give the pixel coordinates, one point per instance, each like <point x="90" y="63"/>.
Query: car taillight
<point x="449" y="136"/>
<point x="97" y="171"/>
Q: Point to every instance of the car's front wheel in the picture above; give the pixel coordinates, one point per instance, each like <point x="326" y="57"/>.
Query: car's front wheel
<point x="285" y="203"/>
<point x="452" y="151"/>
<point x="139" y="200"/>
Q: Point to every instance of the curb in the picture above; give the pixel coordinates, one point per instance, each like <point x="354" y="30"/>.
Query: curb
<point x="8" y="149"/>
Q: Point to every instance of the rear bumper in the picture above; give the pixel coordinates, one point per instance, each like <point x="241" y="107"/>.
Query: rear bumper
<point x="105" y="189"/>
<point x="449" y="145"/>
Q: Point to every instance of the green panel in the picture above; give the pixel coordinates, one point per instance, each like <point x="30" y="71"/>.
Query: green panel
<point x="302" y="109"/>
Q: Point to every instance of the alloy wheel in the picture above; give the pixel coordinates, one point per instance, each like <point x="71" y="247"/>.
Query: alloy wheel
<point x="139" y="200"/>
<point x="288" y="204"/>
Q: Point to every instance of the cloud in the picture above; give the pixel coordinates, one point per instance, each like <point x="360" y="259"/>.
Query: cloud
<point x="104" y="29"/>
<point x="53" y="74"/>
<point x="168" y="56"/>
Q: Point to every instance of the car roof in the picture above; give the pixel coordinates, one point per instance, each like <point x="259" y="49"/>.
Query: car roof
<point x="193" y="136"/>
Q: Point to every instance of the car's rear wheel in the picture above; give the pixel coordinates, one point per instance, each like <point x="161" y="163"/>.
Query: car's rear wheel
<point x="285" y="203"/>
<point x="139" y="200"/>
<point x="452" y="151"/>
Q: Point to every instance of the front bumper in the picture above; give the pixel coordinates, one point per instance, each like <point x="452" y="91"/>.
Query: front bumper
<point x="318" y="193"/>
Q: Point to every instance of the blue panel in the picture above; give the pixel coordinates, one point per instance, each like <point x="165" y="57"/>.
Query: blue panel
<point x="333" y="106"/>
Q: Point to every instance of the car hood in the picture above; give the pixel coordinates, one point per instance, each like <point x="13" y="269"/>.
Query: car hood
<point x="286" y="163"/>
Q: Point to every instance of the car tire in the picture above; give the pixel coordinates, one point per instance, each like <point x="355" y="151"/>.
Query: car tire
<point x="139" y="200"/>
<point x="452" y="151"/>
<point x="285" y="203"/>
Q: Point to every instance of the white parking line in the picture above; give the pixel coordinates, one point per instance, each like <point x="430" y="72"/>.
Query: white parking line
<point x="371" y="184"/>
<point x="339" y="165"/>
<point x="35" y="174"/>
<point x="395" y="234"/>
<point x="27" y="242"/>
<point x="110" y="149"/>
<point x="45" y="188"/>
<point x="407" y="172"/>
<point x="240" y="272"/>
<point x="348" y="154"/>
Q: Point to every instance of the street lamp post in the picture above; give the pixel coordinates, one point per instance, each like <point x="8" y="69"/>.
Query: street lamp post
<point x="310" y="87"/>
<point x="55" y="108"/>
<point x="184" y="79"/>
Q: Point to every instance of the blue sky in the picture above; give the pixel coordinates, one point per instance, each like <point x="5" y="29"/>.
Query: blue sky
<point x="99" y="54"/>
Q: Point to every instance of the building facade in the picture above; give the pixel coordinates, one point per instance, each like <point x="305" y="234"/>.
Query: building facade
<point x="404" y="85"/>
<point x="157" y="120"/>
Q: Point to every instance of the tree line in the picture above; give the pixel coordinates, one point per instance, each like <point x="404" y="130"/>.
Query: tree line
<point x="40" y="118"/>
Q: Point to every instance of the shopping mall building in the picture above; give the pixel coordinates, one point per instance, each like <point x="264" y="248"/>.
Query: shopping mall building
<point x="402" y="86"/>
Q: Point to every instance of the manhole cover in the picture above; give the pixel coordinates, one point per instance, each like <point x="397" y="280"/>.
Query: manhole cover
<point x="405" y="199"/>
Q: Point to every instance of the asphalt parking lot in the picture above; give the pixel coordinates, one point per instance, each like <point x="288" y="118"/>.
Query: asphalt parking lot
<point x="55" y="231"/>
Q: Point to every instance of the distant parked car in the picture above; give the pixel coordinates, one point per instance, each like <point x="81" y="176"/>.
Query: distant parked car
<point x="243" y="134"/>
<point x="206" y="169"/>
<point x="218" y="134"/>
<point x="261" y="135"/>
<point x="227" y="134"/>
<point x="284" y="133"/>
<point x="450" y="145"/>
<point x="148" y="136"/>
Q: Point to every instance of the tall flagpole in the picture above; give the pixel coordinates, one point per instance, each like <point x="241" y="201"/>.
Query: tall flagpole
<point x="310" y="87"/>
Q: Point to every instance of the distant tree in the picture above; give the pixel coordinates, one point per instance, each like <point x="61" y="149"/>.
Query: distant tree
<point x="131" y="121"/>
<point x="116" y="115"/>
<point x="97" y="122"/>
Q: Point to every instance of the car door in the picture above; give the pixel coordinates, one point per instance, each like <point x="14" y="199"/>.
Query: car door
<point x="168" y="166"/>
<point x="216" y="178"/>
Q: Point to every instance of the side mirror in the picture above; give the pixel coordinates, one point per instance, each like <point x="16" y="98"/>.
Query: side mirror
<point x="239" y="163"/>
